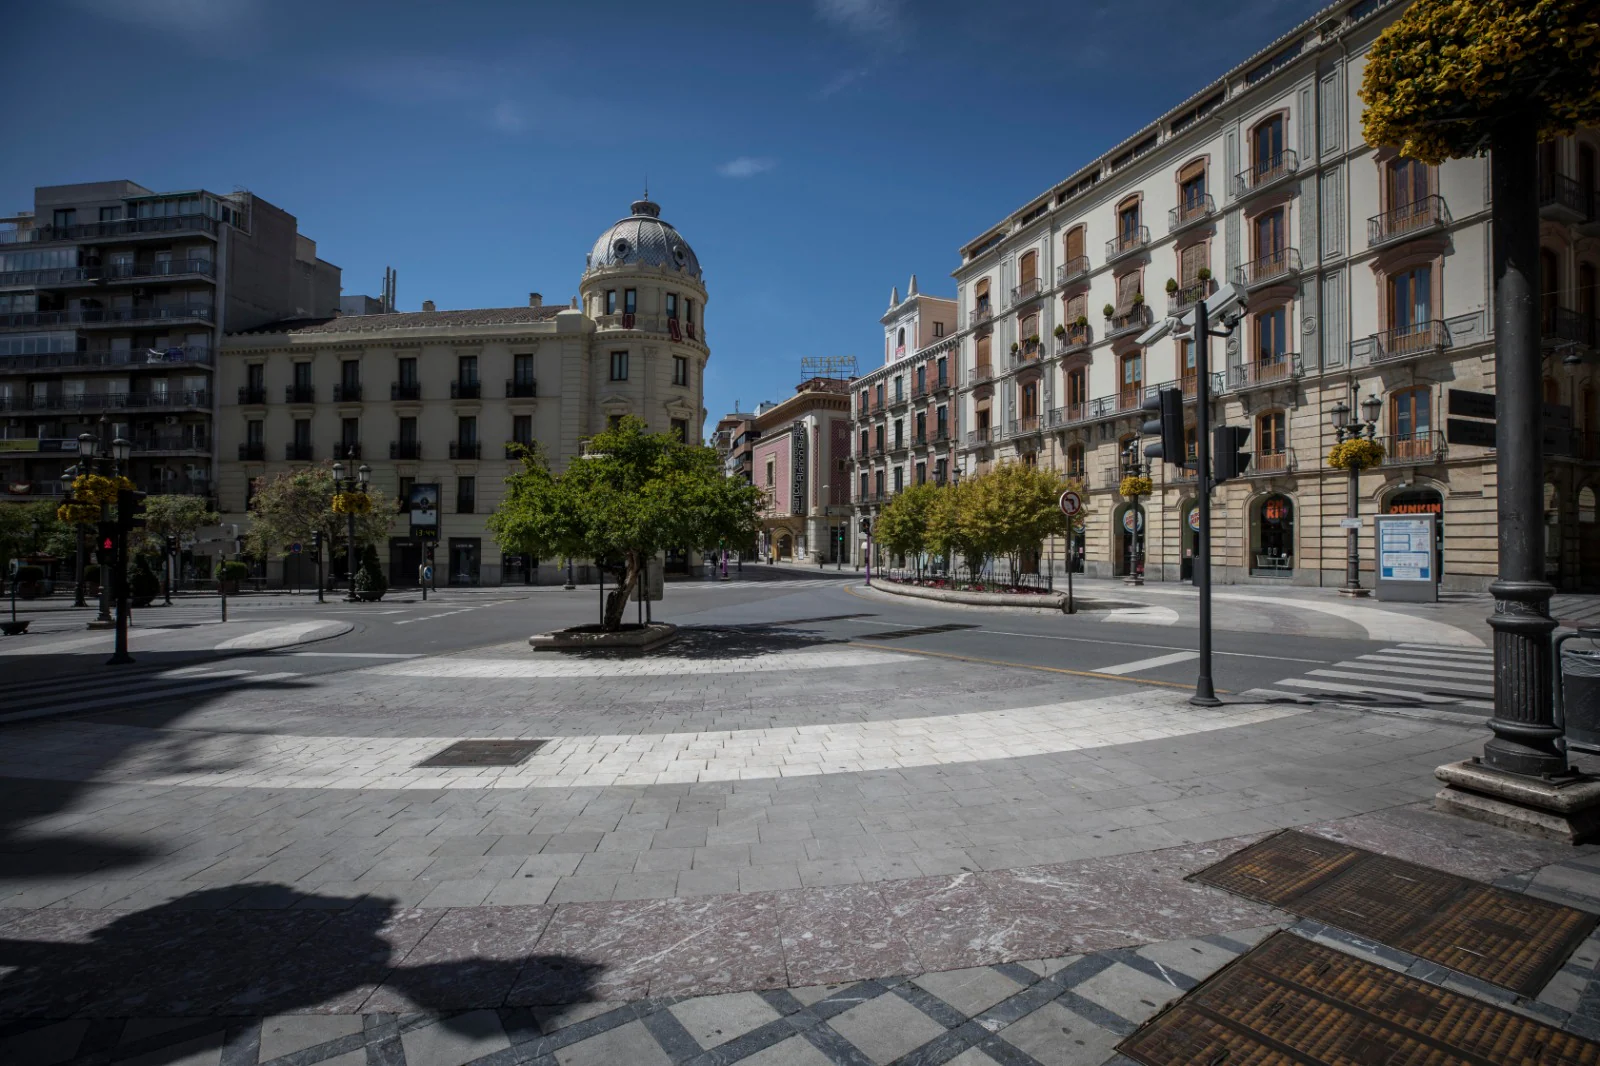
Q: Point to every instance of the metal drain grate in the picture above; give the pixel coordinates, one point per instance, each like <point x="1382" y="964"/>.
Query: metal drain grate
<point x="1292" y="1001"/>
<point x="1504" y="938"/>
<point x="485" y="753"/>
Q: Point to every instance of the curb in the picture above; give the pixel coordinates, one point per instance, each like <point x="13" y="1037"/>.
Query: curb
<point x="1048" y="601"/>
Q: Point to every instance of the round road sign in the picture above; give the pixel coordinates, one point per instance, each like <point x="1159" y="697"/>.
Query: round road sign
<point x="294" y="549"/>
<point x="1071" y="504"/>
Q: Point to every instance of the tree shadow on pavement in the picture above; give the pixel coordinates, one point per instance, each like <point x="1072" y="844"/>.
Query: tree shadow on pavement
<point x="743" y="641"/>
<point x="195" y="958"/>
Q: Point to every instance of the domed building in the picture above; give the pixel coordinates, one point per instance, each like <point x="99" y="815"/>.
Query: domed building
<point x="429" y="400"/>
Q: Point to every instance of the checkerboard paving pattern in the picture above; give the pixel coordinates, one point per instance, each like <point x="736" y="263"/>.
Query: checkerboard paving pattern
<point x="1057" y="1012"/>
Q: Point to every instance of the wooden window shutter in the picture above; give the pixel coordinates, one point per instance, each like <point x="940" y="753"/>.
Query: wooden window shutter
<point x="981" y="289"/>
<point x="1029" y="268"/>
<point x="1074" y="242"/>
<point x="1192" y="259"/>
<point x="1030" y="325"/>
<point x="1127" y="285"/>
<point x="1194" y="170"/>
<point x="1077" y="304"/>
<point x="982" y="356"/>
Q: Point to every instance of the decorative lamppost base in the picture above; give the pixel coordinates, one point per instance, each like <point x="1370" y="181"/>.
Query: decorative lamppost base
<point x="1355" y="593"/>
<point x="1564" y="807"/>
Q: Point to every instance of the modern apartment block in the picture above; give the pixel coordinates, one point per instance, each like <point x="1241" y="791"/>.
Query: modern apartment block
<point x="437" y="398"/>
<point x="1368" y="279"/>
<point x="800" y="459"/>
<point x="113" y="299"/>
<point x="906" y="412"/>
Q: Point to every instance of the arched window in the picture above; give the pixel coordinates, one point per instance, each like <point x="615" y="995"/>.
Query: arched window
<point x="1028" y="403"/>
<point x="1266" y="149"/>
<point x="1411" y="423"/>
<point x="900" y="341"/>
<point x="1028" y="269"/>
<point x="1075" y="462"/>
<point x="1406" y="184"/>
<point x="980" y="294"/>
<point x="1272" y="343"/>
<point x="1272" y="441"/>
<point x="1549" y="289"/>
<point x="1191" y="189"/>
<point x="1586" y="504"/>
<point x="1072" y="246"/>
<point x="1411" y="308"/>
<point x="1128" y="219"/>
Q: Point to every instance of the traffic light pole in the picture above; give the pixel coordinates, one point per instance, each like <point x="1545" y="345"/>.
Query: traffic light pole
<point x="1205" y="693"/>
<point x="120" y="656"/>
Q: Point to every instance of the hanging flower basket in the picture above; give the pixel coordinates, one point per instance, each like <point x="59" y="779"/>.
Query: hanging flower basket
<point x="1136" y="485"/>
<point x="96" y="489"/>
<point x="353" y="503"/>
<point x="78" y="513"/>
<point x="1356" y="454"/>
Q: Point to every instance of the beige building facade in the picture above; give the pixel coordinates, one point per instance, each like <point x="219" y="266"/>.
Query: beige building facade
<point x="436" y="398"/>
<point x="1368" y="276"/>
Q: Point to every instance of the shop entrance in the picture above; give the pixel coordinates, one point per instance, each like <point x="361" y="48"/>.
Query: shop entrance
<point x="1273" y="537"/>
<point x="464" y="559"/>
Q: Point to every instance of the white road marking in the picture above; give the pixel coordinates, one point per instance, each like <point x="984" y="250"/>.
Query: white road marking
<point x="139" y="696"/>
<point x="1132" y="644"/>
<point x="354" y="654"/>
<point x="1334" y="686"/>
<point x="1379" y="624"/>
<point x="1149" y="616"/>
<point x="1148" y="664"/>
<point x="1428" y="683"/>
<point x="131" y="755"/>
<point x="1387" y="665"/>
<point x="646" y="666"/>
<point x="278" y="636"/>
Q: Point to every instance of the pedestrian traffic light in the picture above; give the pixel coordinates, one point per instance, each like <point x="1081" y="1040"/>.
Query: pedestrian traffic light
<point x="105" y="543"/>
<point x="130" y="510"/>
<point x="1164" y="421"/>
<point x="172" y="544"/>
<point x="866" y="525"/>
<point x="1229" y="459"/>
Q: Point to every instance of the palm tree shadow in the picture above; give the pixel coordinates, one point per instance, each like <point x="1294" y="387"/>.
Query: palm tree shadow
<point x="194" y="957"/>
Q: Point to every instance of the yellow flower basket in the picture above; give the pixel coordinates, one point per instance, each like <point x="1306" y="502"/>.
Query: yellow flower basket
<point x="96" y="489"/>
<point x="1356" y="454"/>
<point x="1135" y="485"/>
<point x="78" y="513"/>
<point x="356" y="503"/>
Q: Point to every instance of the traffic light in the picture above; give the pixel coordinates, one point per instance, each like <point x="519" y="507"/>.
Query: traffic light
<point x="172" y="544"/>
<point x="866" y="525"/>
<point x="1229" y="459"/>
<point x="1164" y="421"/>
<point x="130" y="510"/>
<point x="316" y="543"/>
<point x="105" y="543"/>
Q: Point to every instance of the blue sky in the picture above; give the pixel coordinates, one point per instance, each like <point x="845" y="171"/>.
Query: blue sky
<point x="814" y="152"/>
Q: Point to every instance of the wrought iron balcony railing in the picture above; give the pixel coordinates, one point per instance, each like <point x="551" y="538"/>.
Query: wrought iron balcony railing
<point x="1073" y="269"/>
<point x="1265" y="370"/>
<point x="1416" y="339"/>
<point x="405" y="390"/>
<point x="1076" y="339"/>
<point x="1272" y="462"/>
<point x="1409" y="220"/>
<point x="1187" y="296"/>
<point x="1417" y="448"/>
<point x="1265" y="173"/>
<point x="1027" y="290"/>
<point x="299" y="394"/>
<point x="981" y="373"/>
<point x="1126" y="321"/>
<point x="521" y="390"/>
<point x="347" y="392"/>
<point x="405" y="449"/>
<point x="1190" y="212"/>
<point x="466" y="390"/>
<point x="1133" y="239"/>
<point x="1275" y="265"/>
<point x="252" y="451"/>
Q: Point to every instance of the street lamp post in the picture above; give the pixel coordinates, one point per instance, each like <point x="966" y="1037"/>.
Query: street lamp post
<point x="1132" y="468"/>
<point x="120" y="450"/>
<point x="78" y="598"/>
<point x="1366" y="428"/>
<point x="95" y="452"/>
<point x="349" y="485"/>
<point x="569" y="583"/>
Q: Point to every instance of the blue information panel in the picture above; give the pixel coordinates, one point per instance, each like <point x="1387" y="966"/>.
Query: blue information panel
<point x="1405" y="549"/>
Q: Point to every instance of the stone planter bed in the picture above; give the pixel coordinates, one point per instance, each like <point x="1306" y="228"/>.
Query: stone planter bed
<point x="1056" y="601"/>
<point x="629" y="640"/>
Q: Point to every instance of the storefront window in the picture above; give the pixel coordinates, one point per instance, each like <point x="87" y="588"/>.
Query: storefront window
<point x="1274" y="537"/>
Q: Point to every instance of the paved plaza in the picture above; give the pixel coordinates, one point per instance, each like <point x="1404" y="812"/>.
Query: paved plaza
<point x="825" y="825"/>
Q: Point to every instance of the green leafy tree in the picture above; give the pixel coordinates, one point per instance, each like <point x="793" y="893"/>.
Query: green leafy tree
<point x="32" y="529"/>
<point x="633" y="495"/>
<point x="903" y="525"/>
<point x="289" y="507"/>
<point x="370" y="577"/>
<point x="173" y="516"/>
<point x="1009" y="512"/>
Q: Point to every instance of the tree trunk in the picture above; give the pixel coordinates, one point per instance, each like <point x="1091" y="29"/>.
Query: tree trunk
<point x="617" y="599"/>
<point x="1525" y="732"/>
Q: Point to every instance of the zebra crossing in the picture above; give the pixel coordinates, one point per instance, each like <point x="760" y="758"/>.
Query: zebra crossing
<point x="122" y="688"/>
<point x="1399" y="675"/>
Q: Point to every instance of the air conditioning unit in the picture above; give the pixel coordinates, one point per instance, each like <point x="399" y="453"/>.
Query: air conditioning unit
<point x="140" y="290"/>
<point x="172" y="420"/>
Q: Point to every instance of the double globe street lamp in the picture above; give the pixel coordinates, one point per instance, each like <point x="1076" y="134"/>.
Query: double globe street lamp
<point x="93" y="452"/>
<point x="1348" y="430"/>
<point x="349" y="486"/>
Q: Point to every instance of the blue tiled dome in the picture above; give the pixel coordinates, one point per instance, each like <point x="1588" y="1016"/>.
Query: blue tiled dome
<point x="643" y="239"/>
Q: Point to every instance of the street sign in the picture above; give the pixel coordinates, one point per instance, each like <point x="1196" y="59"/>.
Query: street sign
<point x="1071" y="503"/>
<point x="427" y="573"/>
<point x="294" y="549"/>
<point x="1349" y="523"/>
<point x="1406" y="565"/>
<point x="1471" y="404"/>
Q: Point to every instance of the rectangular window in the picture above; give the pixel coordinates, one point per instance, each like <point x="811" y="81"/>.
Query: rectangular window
<point x="899" y="478"/>
<point x="110" y="214"/>
<point x="922" y="425"/>
<point x="1272" y="435"/>
<point x="672" y="305"/>
<point x="1272" y="340"/>
<point x="863" y="486"/>
<point x="408" y="370"/>
<point x="881" y="399"/>
<point x="619" y="366"/>
<point x="466" y="495"/>
<point x="941" y="419"/>
<point x="467" y="430"/>
<point x="1266" y="146"/>
<point x="522" y="369"/>
<point x="899" y="388"/>
<point x="877" y="482"/>
<point x="349" y="433"/>
<point x="522" y="429"/>
<point x="611" y="301"/>
<point x="680" y="370"/>
<point x="938" y="329"/>
<point x="877" y="436"/>
<point x="922" y="473"/>
<point x="630" y="301"/>
<point x="252" y="431"/>
<point x="771" y="466"/>
<point x="65" y="217"/>
<point x="302" y="375"/>
<point x="350" y="374"/>
<point x="942" y="376"/>
<point x="405" y="493"/>
<point x="255" y="376"/>
<point x="941" y="471"/>
<point x="467" y="369"/>
<point x="680" y="429"/>
<point x="863" y="450"/>
<point x="899" y="433"/>
<point x="1411" y="298"/>
<point x="688" y="311"/>
<point x="302" y="433"/>
<point x="1270" y="235"/>
<point x="408" y="430"/>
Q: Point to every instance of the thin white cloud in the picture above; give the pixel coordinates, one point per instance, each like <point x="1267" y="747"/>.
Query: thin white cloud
<point x="875" y="20"/>
<point x="507" y="117"/>
<point x="840" y="82"/>
<point x="191" y="18"/>
<point x="746" y="166"/>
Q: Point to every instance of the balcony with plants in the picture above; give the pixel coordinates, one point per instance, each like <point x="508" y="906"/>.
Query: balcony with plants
<point x="1182" y="297"/>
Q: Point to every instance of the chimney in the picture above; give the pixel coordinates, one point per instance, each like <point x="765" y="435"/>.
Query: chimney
<point x="535" y="300"/>
<point x="427" y="305"/>
<point x="574" y="303"/>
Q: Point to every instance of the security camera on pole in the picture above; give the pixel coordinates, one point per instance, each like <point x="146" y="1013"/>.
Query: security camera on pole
<point x="1227" y="304"/>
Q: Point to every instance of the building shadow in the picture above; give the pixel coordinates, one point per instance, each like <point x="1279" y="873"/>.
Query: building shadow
<point x="198" y="957"/>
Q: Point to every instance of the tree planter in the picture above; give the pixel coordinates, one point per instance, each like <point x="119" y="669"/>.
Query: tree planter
<point x="15" y="629"/>
<point x="628" y="640"/>
<point x="368" y="597"/>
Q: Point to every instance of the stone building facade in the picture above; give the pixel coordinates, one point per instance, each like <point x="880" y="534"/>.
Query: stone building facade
<point x="436" y="397"/>
<point x="1367" y="276"/>
<point x="800" y="459"/>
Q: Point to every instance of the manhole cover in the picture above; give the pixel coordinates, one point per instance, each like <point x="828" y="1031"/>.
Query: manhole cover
<point x="485" y="753"/>
<point x="1501" y="937"/>
<point x="1292" y="1001"/>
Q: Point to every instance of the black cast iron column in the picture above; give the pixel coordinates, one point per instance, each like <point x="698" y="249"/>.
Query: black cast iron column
<point x="1524" y="726"/>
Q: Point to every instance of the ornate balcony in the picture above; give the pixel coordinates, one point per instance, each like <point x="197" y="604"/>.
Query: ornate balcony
<point x="1127" y="321"/>
<point x="1028" y="290"/>
<point x="1190" y="213"/>
<point x="979" y="316"/>
<point x="1265" y="371"/>
<point x="1127" y="243"/>
<point x="1274" y="266"/>
<point x="347" y="393"/>
<point x="1187" y="296"/>
<point x="1265" y="174"/>
<point x="405" y="449"/>
<point x="1076" y="339"/>
<point x="1405" y="341"/>
<point x="1418" y="448"/>
<point x="1561" y="199"/>
<point x="521" y="390"/>
<point x="1411" y="220"/>
<point x="466" y="390"/>
<point x="297" y="452"/>
<point x="405" y="390"/>
<point x="1072" y="270"/>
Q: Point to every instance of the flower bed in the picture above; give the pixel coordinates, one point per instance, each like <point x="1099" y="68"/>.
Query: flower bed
<point x="955" y="584"/>
<point x="972" y="593"/>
